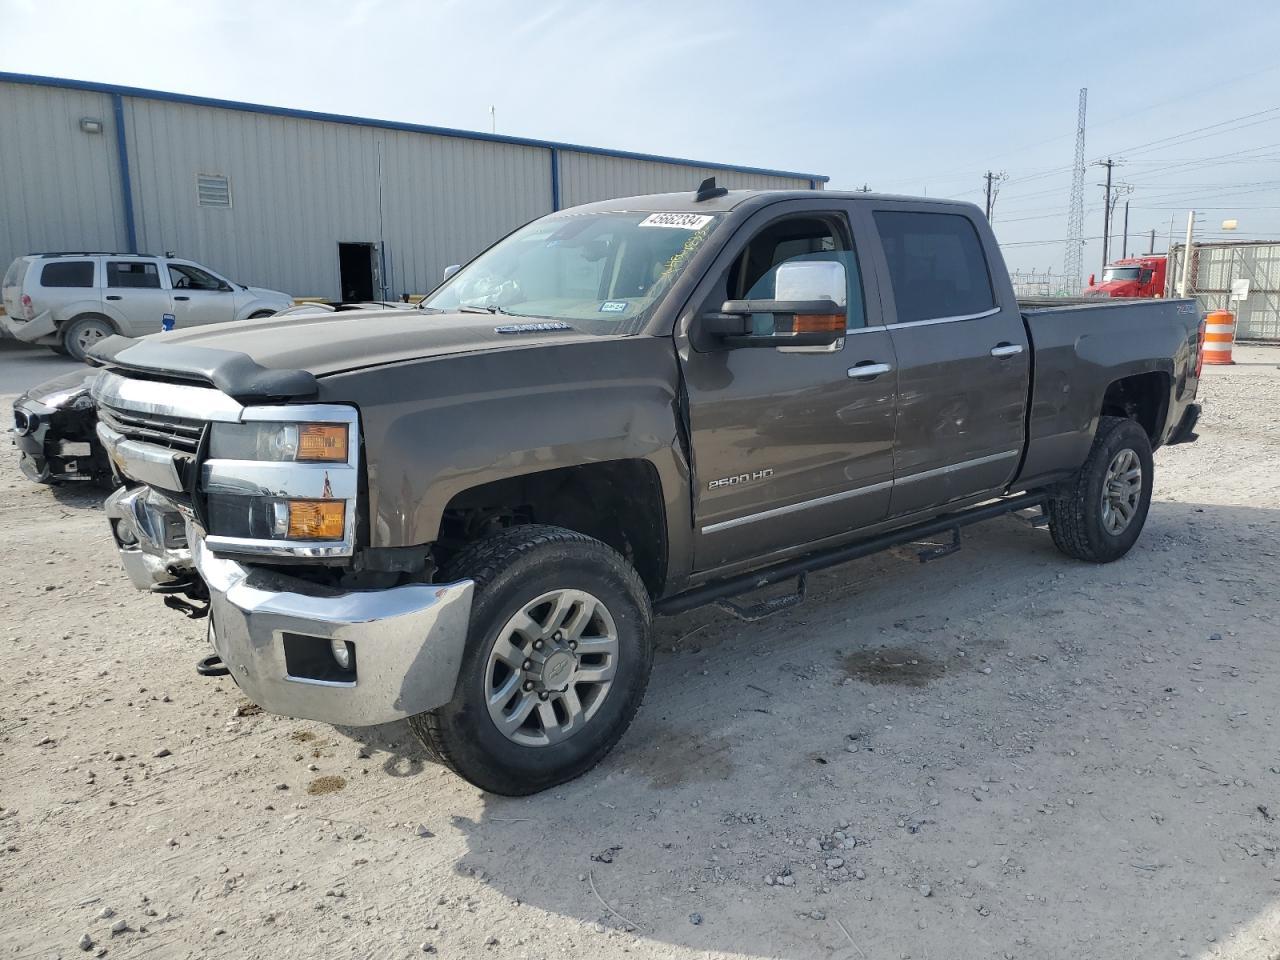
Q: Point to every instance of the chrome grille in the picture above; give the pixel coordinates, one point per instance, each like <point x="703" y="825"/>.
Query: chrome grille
<point x="176" y="433"/>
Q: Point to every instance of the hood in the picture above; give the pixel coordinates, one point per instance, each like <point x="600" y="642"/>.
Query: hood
<point x="62" y="391"/>
<point x="1115" y="288"/>
<point x="282" y="356"/>
<point x="262" y="293"/>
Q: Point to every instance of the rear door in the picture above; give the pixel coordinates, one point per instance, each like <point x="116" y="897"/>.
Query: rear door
<point x="789" y="445"/>
<point x="963" y="357"/>
<point x="199" y="297"/>
<point x="134" y="296"/>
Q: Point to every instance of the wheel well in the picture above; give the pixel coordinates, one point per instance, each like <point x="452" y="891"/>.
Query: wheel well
<point x="618" y="502"/>
<point x="1143" y="397"/>
<point x="88" y="315"/>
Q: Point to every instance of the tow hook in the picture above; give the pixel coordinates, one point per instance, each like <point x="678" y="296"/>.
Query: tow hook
<point x="212" y="666"/>
<point x="191" y="588"/>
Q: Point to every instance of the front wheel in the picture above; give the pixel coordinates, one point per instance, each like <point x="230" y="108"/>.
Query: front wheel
<point x="1100" y="513"/>
<point x="557" y="660"/>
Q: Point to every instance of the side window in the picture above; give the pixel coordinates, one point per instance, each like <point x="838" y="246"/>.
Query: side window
<point x="936" y="265"/>
<point x="135" y="273"/>
<point x="753" y="275"/>
<point x="183" y="276"/>
<point x="68" y="273"/>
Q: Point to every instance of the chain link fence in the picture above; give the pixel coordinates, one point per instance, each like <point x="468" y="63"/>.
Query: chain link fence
<point x="1213" y="268"/>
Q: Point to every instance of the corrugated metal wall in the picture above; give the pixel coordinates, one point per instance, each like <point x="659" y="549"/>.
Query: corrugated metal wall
<point x="299" y="186"/>
<point x="59" y="186"/>
<point x="1214" y="266"/>
<point x="586" y="177"/>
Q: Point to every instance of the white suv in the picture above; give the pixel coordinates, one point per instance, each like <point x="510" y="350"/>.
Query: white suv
<point x="69" y="301"/>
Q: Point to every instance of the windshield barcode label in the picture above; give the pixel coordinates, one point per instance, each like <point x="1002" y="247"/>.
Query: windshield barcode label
<point x="678" y="221"/>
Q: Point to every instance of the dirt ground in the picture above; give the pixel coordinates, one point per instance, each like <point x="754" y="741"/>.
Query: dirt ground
<point x="1000" y="754"/>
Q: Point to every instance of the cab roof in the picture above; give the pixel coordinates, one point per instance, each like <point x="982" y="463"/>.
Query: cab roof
<point x="686" y="201"/>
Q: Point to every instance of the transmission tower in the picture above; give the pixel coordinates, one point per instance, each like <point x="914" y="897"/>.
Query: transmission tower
<point x="1074" y="260"/>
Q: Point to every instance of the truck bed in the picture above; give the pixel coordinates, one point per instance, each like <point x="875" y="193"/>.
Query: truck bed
<point x="1084" y="345"/>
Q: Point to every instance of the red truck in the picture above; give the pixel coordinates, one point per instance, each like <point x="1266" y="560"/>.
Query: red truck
<point x="1131" y="277"/>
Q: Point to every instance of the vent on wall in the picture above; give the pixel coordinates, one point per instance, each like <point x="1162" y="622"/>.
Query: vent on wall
<point x="213" y="190"/>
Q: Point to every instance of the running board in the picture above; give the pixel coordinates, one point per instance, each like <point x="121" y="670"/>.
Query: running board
<point x="934" y="553"/>
<point x="821" y="560"/>
<point x="751" y="612"/>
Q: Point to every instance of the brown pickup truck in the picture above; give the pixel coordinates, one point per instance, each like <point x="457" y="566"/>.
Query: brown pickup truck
<point x="467" y="514"/>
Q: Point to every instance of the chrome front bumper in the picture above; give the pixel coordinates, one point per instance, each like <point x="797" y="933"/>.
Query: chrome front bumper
<point x="407" y="641"/>
<point x="150" y="536"/>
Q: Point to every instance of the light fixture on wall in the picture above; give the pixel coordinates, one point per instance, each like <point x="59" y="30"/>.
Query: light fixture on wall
<point x="90" y="125"/>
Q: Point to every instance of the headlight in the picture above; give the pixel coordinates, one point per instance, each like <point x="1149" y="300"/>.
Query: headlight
<point x="283" y="482"/>
<point x="296" y="442"/>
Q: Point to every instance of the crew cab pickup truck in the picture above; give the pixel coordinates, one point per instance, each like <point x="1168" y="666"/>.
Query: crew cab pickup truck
<point x="466" y="515"/>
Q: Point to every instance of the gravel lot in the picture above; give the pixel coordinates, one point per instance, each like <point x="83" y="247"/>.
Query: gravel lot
<point x="1000" y="754"/>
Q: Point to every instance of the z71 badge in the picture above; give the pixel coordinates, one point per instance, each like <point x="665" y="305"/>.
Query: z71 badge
<point x="741" y="478"/>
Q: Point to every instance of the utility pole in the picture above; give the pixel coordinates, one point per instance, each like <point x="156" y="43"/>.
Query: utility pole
<point x="1106" y="209"/>
<point x="1151" y="247"/>
<point x="1123" y="189"/>
<point x="993" y="189"/>
<point x="1186" y="254"/>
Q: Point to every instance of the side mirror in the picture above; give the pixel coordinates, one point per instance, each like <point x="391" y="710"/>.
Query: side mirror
<point x="809" y="309"/>
<point x="450" y="270"/>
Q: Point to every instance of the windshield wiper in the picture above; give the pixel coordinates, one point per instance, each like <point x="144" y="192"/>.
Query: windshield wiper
<point x="475" y="308"/>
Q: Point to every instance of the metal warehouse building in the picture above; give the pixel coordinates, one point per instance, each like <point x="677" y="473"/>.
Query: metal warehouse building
<point x="311" y="203"/>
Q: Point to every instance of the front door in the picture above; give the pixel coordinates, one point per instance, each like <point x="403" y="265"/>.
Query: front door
<point x="790" y="445"/>
<point x="963" y="359"/>
<point x="134" y="296"/>
<point x="199" y="297"/>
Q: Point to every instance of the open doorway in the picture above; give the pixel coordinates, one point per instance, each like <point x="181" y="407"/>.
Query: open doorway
<point x="357" y="271"/>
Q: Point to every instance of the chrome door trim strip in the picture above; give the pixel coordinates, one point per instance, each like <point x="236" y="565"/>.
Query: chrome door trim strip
<point x="928" y="323"/>
<point x="846" y="494"/>
<point x="794" y="507"/>
<point x="953" y="467"/>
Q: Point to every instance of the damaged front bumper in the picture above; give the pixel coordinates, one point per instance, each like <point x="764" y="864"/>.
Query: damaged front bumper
<point x="295" y="647"/>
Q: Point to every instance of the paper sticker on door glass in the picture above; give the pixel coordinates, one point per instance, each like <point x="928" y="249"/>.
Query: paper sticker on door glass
<point x="613" y="306"/>
<point x="678" y="221"/>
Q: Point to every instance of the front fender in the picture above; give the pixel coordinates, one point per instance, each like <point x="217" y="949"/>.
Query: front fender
<point x="434" y="428"/>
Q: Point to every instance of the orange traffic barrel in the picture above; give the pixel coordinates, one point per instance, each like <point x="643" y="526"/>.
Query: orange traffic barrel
<point x="1219" y="334"/>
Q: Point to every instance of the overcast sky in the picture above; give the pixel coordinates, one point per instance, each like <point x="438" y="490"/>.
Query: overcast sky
<point x="910" y="96"/>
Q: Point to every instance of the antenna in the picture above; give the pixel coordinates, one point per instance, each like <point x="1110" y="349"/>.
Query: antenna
<point x="708" y="190"/>
<point x="1074" y="260"/>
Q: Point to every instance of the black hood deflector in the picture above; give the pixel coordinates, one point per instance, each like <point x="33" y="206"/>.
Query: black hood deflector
<point x="235" y="374"/>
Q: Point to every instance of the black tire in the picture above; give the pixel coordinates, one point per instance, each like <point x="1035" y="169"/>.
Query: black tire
<point x="59" y="349"/>
<point x="259" y="314"/>
<point x="77" y="328"/>
<point x="511" y="569"/>
<point x="1076" y="513"/>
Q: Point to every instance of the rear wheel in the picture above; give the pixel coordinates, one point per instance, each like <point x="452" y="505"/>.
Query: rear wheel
<point x="83" y="332"/>
<point x="1099" y="515"/>
<point x="557" y="661"/>
<point x="259" y="314"/>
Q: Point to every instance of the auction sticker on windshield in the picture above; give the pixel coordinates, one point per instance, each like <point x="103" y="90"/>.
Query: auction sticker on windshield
<point x="678" y="221"/>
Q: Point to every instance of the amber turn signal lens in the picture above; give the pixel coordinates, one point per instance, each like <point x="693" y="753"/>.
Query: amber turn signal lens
<point x="322" y="441"/>
<point x="317" y="519"/>
<point x="818" y="323"/>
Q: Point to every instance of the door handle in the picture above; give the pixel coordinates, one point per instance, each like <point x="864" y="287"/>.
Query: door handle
<point x="1006" y="350"/>
<point x="182" y="298"/>
<point x="113" y="296"/>
<point x="868" y="369"/>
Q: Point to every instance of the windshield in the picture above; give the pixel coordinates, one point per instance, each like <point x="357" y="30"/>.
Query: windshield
<point x="603" y="272"/>
<point x="1120" y="273"/>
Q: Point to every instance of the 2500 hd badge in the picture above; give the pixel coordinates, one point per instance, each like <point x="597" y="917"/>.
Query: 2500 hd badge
<point x="741" y="478"/>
